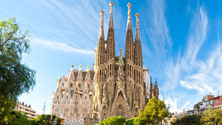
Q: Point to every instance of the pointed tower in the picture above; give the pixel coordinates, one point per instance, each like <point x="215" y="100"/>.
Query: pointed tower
<point x="151" y="88"/>
<point x="129" y="46"/>
<point x="100" y="47"/>
<point x="129" y="54"/>
<point x="110" y="36"/>
<point x="87" y="77"/>
<point x="139" y="64"/>
<point x="110" y="56"/>
<point x="71" y="75"/>
<point x="156" y="90"/>
<point x="129" y="57"/>
<point x="100" y="52"/>
<point x="110" y="46"/>
<point x="138" y="47"/>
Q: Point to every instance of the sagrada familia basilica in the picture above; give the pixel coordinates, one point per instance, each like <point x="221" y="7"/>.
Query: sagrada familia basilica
<point x="116" y="86"/>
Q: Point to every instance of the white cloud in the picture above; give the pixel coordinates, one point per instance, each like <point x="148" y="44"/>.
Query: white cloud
<point x="158" y="31"/>
<point x="186" y="104"/>
<point x="186" y="64"/>
<point x="173" y="104"/>
<point x="187" y="71"/>
<point x="208" y="75"/>
<point x="60" y="46"/>
<point x="82" y="18"/>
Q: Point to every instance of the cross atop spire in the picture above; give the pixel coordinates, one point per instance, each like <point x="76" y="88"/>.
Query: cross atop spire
<point x="129" y="22"/>
<point x="101" y="31"/>
<point x="111" y="25"/>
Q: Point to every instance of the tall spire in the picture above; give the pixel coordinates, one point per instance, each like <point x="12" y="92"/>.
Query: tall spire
<point x="129" y="22"/>
<point x="138" y="47"/>
<point x="101" y="30"/>
<point x="156" y="90"/>
<point x="137" y="27"/>
<point x="155" y="82"/>
<point x="111" y="25"/>
<point x="151" y="88"/>
<point x="110" y="37"/>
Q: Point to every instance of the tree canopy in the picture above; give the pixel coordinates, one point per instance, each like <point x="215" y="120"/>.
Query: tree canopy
<point x="15" y="77"/>
<point x="211" y="117"/>
<point x="155" y="111"/>
<point x="187" y="120"/>
<point x="135" y="121"/>
<point x="46" y="120"/>
<point x="119" y="120"/>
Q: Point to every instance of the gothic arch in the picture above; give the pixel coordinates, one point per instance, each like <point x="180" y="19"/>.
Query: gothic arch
<point x="120" y="94"/>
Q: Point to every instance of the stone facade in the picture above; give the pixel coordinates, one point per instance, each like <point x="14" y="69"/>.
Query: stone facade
<point x="72" y="99"/>
<point x="116" y="86"/>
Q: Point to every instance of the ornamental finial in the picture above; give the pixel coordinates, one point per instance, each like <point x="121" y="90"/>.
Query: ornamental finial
<point x="88" y="67"/>
<point x="71" y="67"/>
<point x="111" y="6"/>
<point x="101" y="12"/>
<point x="137" y="18"/>
<point x="129" y="10"/>
<point x="80" y="66"/>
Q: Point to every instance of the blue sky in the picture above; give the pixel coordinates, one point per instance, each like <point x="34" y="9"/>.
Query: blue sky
<point x="181" y="43"/>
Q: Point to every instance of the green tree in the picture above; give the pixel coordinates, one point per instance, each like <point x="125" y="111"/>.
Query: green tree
<point x="17" y="118"/>
<point x="53" y="118"/>
<point x="58" y="121"/>
<point x="119" y="120"/>
<point x="15" y="78"/>
<point x="135" y="121"/>
<point x="187" y="120"/>
<point x="212" y="117"/>
<point x="46" y="120"/>
<point x="155" y="111"/>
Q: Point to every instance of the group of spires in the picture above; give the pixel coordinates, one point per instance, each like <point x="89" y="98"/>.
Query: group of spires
<point x="111" y="25"/>
<point x="154" y="90"/>
<point x="80" y="67"/>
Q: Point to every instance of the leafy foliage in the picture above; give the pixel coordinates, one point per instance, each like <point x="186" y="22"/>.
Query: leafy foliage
<point x="187" y="120"/>
<point x="154" y="112"/>
<point x="135" y="121"/>
<point x="15" y="78"/>
<point x="119" y="120"/>
<point x="17" y="118"/>
<point x="212" y="117"/>
<point x="46" y="120"/>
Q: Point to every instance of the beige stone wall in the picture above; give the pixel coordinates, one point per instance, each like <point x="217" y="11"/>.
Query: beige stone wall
<point x="72" y="99"/>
